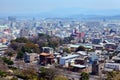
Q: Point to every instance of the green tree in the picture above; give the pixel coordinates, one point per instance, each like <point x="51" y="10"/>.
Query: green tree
<point x="22" y="40"/>
<point x="20" y="55"/>
<point x="7" y="61"/>
<point x="44" y="40"/>
<point x="3" y="74"/>
<point x="41" y="35"/>
<point x="42" y="72"/>
<point x="53" y="44"/>
<point x="66" y="50"/>
<point x="3" y="66"/>
<point x="23" y="49"/>
<point x="110" y="75"/>
<point x="30" y="73"/>
<point x="51" y="73"/>
<point x="14" y="78"/>
<point x="60" y="77"/>
<point x="80" y="48"/>
<point x="30" y="47"/>
<point x="9" y="54"/>
<point x="84" y="76"/>
<point x="47" y="74"/>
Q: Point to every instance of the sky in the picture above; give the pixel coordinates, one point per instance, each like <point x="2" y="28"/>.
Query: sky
<point x="60" y="7"/>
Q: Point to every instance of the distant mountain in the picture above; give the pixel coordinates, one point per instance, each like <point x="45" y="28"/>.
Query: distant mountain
<point x="95" y="17"/>
<point x="77" y="13"/>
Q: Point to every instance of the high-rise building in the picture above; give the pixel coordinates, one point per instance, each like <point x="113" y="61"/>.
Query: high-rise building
<point x="24" y="32"/>
<point x="95" y="68"/>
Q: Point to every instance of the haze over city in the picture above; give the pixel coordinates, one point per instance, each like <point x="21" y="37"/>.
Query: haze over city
<point x="59" y="7"/>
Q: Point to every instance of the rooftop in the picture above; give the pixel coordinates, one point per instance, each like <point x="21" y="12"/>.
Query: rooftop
<point x="3" y="46"/>
<point x="70" y="56"/>
<point x="79" y="66"/>
<point x="44" y="54"/>
<point x="82" y="53"/>
<point x="3" y="26"/>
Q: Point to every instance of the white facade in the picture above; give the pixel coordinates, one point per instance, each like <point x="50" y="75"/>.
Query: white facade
<point x="114" y="66"/>
<point x="68" y="59"/>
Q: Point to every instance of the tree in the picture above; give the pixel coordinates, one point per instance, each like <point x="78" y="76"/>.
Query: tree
<point x="84" y="76"/>
<point x="60" y="77"/>
<point x="44" y="40"/>
<point x="53" y="43"/>
<point x="66" y="50"/>
<point x="80" y="48"/>
<point x="42" y="72"/>
<point x="51" y="73"/>
<point x="41" y="35"/>
<point x="3" y="74"/>
<point x="30" y="47"/>
<point x="3" y="66"/>
<point x="68" y="39"/>
<point x="110" y="75"/>
<point x="14" y="78"/>
<point x="20" y="55"/>
<point x="30" y="73"/>
<point x="9" y="54"/>
<point x="48" y="74"/>
<point x="22" y="40"/>
<point x="14" y="45"/>
<point x="7" y="61"/>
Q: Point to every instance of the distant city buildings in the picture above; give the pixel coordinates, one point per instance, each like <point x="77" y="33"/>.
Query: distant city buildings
<point x="100" y="40"/>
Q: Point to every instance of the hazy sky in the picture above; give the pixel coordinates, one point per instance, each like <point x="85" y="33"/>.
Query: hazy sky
<point x="39" y="6"/>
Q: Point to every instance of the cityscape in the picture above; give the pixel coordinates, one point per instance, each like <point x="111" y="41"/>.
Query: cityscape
<point x="59" y="40"/>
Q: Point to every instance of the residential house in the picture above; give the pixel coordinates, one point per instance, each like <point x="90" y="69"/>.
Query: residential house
<point x="31" y="57"/>
<point x="46" y="58"/>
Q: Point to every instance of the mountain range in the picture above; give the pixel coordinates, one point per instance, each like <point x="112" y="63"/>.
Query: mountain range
<point x="71" y="13"/>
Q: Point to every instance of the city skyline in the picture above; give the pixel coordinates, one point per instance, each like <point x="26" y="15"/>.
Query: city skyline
<point x="59" y="7"/>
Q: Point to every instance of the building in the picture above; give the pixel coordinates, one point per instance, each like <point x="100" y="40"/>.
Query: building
<point x="46" y="58"/>
<point x="24" y="32"/>
<point x="95" y="68"/>
<point x="3" y="48"/>
<point x="96" y="41"/>
<point x="116" y="58"/>
<point x="31" y="57"/>
<point x="112" y="66"/>
<point x="98" y="47"/>
<point x="3" y="27"/>
<point x="82" y="58"/>
<point x="73" y="47"/>
<point x="79" y="68"/>
<point x="110" y="47"/>
<point x="66" y="61"/>
<point x="47" y="50"/>
<point x="92" y="56"/>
